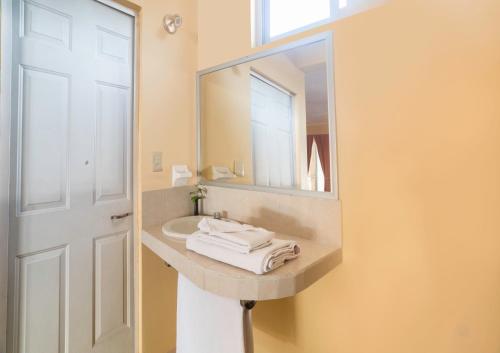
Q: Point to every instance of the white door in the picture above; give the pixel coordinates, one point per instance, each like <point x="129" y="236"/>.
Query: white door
<point x="272" y="135"/>
<point x="71" y="264"/>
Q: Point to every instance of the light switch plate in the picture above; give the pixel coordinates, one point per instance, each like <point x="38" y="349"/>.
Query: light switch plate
<point x="157" y="162"/>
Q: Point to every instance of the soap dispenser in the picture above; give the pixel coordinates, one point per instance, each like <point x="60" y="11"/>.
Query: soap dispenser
<point x="180" y="175"/>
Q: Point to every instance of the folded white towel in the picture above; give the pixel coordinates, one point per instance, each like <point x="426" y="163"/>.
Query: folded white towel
<point x="221" y="226"/>
<point x="242" y="238"/>
<point x="258" y="261"/>
<point x="231" y="245"/>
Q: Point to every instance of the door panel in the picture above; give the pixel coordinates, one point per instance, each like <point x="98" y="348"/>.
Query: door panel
<point x="260" y="148"/>
<point x="72" y="147"/>
<point x="44" y="101"/>
<point x="45" y="23"/>
<point x="285" y="154"/>
<point x="112" y="138"/>
<point x="112" y="45"/>
<point x="42" y="292"/>
<point x="112" y="284"/>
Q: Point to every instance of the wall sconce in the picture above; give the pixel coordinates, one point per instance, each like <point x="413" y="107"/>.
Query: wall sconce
<point x="171" y="23"/>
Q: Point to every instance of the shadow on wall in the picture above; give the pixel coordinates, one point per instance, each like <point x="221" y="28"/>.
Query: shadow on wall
<point x="159" y="304"/>
<point x="265" y="313"/>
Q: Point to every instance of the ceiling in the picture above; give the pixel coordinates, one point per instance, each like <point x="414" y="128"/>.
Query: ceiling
<point x="311" y="59"/>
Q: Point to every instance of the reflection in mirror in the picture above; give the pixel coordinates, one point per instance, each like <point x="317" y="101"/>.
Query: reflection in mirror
<point x="267" y="121"/>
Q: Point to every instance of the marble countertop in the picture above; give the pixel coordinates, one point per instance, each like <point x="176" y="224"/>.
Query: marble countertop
<point x="314" y="262"/>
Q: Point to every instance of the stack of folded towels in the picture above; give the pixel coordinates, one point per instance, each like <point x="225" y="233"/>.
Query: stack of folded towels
<point x="241" y="245"/>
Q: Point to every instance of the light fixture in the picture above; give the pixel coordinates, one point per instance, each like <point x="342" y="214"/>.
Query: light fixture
<point x="171" y="23"/>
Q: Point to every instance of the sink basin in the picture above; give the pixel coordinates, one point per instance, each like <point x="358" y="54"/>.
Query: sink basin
<point x="181" y="228"/>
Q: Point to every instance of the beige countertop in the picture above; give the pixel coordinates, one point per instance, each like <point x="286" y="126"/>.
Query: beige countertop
<point x="314" y="262"/>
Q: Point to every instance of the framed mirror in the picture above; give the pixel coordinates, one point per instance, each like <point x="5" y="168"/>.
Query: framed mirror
<point x="267" y="121"/>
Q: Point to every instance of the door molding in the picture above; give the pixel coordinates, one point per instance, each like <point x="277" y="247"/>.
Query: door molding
<point x="5" y="106"/>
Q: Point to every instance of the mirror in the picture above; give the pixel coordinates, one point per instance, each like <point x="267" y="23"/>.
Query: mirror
<point x="267" y="121"/>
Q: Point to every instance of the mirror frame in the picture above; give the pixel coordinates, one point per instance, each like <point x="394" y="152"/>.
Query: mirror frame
<point x="327" y="37"/>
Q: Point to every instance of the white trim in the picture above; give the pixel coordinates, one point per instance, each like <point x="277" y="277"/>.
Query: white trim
<point x="119" y="7"/>
<point x="136" y="319"/>
<point x="265" y="14"/>
<point x="298" y="30"/>
<point x="5" y="106"/>
<point x="267" y="52"/>
<point x="255" y="73"/>
<point x="257" y="24"/>
<point x="262" y="22"/>
<point x="328" y="38"/>
<point x="273" y="190"/>
<point x="261" y="26"/>
<point x="332" y="117"/>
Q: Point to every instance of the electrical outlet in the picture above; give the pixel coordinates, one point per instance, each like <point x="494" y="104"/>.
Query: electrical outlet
<point x="157" y="162"/>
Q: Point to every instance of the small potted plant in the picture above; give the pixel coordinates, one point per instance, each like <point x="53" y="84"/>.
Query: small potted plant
<point x="199" y="194"/>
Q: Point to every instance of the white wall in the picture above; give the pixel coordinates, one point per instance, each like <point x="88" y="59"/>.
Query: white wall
<point x="4" y="165"/>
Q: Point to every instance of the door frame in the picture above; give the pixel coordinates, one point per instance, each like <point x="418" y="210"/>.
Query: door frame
<point x="6" y="200"/>
<point x="5" y="132"/>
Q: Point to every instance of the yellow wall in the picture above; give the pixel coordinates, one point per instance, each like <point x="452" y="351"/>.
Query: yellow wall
<point x="225" y="112"/>
<point x="167" y="66"/>
<point x="159" y="304"/>
<point x="418" y="113"/>
<point x="167" y="89"/>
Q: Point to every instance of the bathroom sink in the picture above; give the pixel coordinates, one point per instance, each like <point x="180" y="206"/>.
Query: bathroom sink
<point x="181" y="228"/>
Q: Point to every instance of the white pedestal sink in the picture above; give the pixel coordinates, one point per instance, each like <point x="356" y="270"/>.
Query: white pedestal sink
<point x="317" y="259"/>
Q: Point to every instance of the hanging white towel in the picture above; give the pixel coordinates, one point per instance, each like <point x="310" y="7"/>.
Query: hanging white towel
<point x="206" y="322"/>
<point x="258" y="261"/>
<point x="242" y="238"/>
